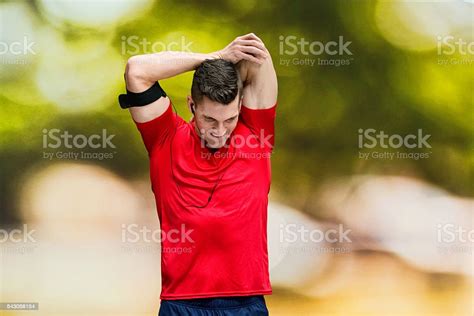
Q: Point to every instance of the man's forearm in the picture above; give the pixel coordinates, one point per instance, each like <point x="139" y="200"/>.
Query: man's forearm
<point x="143" y="70"/>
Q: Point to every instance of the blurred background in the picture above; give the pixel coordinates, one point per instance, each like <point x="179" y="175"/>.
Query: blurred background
<point x="371" y="208"/>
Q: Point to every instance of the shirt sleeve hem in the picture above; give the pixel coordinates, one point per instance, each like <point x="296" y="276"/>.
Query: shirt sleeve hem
<point x="162" y="116"/>
<point x="265" y="109"/>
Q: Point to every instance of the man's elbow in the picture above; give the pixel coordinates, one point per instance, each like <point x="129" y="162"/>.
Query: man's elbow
<point x="135" y="76"/>
<point x="133" y="70"/>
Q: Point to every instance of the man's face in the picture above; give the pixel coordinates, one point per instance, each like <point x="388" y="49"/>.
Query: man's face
<point x="215" y="121"/>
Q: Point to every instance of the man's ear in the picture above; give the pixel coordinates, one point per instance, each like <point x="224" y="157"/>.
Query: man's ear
<point x="191" y="104"/>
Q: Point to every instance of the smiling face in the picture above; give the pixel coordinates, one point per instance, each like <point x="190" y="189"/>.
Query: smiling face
<point x="216" y="96"/>
<point x="214" y="121"/>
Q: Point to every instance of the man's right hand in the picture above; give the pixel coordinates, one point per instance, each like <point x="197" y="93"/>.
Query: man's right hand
<point x="246" y="47"/>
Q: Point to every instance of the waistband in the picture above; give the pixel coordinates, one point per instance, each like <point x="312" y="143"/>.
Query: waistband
<point x="220" y="302"/>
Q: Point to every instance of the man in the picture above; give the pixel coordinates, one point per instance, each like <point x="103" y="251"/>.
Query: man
<point x="210" y="176"/>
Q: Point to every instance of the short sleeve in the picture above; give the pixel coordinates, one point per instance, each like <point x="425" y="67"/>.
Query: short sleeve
<point x="262" y="124"/>
<point x="157" y="131"/>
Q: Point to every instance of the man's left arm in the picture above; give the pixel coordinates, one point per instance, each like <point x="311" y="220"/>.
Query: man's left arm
<point x="260" y="88"/>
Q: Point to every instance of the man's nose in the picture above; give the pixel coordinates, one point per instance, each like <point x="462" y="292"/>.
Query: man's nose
<point x="220" y="131"/>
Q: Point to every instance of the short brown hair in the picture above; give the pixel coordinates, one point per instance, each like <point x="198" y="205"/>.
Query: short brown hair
<point x="217" y="79"/>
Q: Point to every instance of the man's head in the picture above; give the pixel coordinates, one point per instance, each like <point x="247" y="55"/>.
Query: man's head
<point x="215" y="100"/>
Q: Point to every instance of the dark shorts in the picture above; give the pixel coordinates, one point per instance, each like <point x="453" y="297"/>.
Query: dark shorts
<point x="222" y="306"/>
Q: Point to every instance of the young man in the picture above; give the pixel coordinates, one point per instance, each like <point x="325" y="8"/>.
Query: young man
<point x="210" y="176"/>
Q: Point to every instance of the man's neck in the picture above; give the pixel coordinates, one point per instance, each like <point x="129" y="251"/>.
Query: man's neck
<point x="213" y="150"/>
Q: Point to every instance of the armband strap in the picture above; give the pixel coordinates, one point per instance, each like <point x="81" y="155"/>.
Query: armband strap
<point x="141" y="98"/>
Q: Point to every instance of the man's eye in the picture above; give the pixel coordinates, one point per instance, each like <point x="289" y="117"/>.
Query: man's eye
<point x="230" y="120"/>
<point x="208" y="119"/>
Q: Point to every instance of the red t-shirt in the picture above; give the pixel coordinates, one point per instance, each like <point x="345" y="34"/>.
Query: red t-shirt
<point x="212" y="206"/>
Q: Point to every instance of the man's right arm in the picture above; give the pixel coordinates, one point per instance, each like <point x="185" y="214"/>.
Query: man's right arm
<point x="143" y="71"/>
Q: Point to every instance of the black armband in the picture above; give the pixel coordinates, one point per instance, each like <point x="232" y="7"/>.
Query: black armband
<point x="141" y="98"/>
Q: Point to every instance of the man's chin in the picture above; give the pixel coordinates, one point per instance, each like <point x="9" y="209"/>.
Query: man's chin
<point x="215" y="144"/>
<point x="214" y="147"/>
